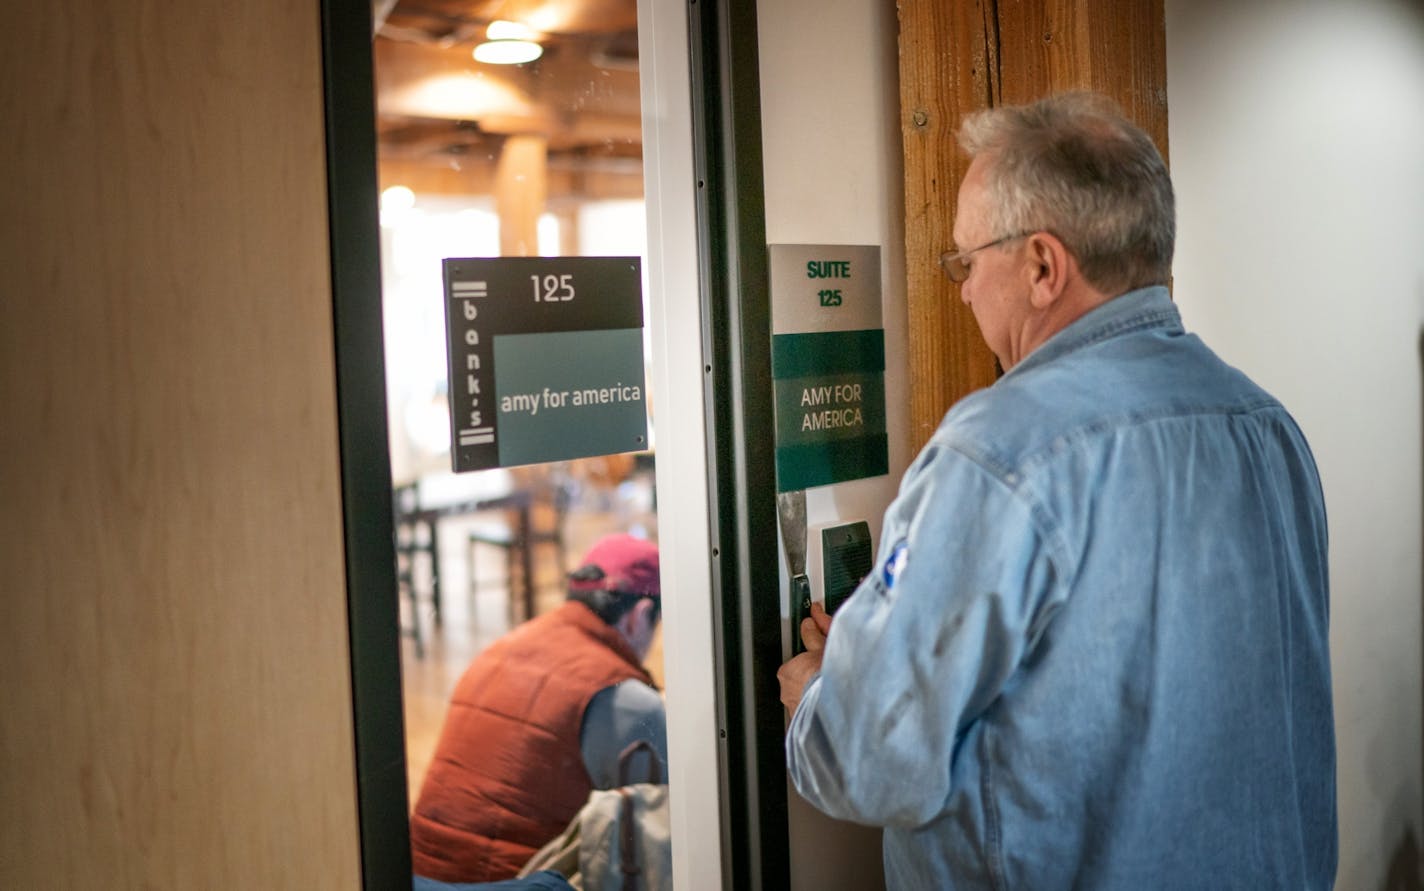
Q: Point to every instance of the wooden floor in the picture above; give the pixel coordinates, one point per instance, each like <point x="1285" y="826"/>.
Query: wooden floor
<point x="472" y="618"/>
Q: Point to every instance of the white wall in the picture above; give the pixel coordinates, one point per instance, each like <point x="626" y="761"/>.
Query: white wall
<point x="833" y="170"/>
<point x="1297" y="149"/>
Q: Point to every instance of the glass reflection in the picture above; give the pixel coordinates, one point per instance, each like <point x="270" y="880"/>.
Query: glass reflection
<point x="529" y="594"/>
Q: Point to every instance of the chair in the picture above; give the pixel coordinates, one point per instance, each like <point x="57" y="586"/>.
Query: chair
<point x="548" y="507"/>
<point x="408" y="543"/>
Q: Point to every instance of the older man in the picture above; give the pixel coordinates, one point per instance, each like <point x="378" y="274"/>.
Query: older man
<point x="1093" y="650"/>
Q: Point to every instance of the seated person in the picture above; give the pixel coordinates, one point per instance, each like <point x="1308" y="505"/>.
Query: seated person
<point x="539" y="719"/>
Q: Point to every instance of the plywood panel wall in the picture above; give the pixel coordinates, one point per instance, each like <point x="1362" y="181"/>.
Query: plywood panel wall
<point x="174" y="695"/>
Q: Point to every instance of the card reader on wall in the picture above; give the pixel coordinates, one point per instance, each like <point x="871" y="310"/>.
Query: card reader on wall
<point x="838" y="557"/>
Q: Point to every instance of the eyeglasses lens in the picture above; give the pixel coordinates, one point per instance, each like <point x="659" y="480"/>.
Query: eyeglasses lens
<point x="952" y="262"/>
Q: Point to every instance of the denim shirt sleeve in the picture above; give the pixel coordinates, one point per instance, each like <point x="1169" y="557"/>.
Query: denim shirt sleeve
<point x="925" y="646"/>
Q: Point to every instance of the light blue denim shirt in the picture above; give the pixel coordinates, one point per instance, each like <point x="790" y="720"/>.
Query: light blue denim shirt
<point x="1093" y="650"/>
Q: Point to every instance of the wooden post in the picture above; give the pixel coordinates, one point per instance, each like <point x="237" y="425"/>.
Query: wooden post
<point x="521" y="185"/>
<point x="568" y="230"/>
<point x="957" y="58"/>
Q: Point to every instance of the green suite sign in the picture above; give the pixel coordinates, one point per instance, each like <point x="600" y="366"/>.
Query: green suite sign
<point x="828" y="364"/>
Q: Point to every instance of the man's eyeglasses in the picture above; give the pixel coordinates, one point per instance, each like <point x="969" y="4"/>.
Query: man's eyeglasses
<point x="952" y="262"/>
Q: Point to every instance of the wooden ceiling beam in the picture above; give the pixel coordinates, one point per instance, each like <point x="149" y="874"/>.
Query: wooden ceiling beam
<point x="569" y="101"/>
<point x="553" y="17"/>
<point x="476" y="180"/>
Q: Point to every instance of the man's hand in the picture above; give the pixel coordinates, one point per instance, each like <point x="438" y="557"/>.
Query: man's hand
<point x="800" y="668"/>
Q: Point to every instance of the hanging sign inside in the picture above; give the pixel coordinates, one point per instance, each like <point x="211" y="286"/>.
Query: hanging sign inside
<point x="545" y="358"/>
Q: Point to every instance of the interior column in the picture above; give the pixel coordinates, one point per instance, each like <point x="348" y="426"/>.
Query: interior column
<point x="521" y="185"/>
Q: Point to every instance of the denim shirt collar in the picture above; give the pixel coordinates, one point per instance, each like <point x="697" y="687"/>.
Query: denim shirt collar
<point x="1139" y="310"/>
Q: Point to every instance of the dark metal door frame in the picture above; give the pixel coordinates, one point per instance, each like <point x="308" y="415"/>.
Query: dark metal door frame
<point x="372" y="606"/>
<point x="726" y="114"/>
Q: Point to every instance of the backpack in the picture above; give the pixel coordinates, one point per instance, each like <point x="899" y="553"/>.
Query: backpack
<point x="620" y="840"/>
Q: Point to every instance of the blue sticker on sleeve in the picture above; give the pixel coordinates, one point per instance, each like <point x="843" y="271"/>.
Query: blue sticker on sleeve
<point x="895" y="563"/>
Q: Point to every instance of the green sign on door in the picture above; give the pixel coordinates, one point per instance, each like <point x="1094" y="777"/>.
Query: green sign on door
<point x="828" y="364"/>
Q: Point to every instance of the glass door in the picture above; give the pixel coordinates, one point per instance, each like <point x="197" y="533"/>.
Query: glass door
<point x="479" y="156"/>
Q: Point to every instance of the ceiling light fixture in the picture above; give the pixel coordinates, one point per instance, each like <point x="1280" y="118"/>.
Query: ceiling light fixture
<point x="508" y="43"/>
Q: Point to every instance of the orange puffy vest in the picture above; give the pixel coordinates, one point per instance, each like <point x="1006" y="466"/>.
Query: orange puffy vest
<point x="508" y="774"/>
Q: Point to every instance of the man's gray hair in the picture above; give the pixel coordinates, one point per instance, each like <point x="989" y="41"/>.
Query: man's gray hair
<point x="1074" y="166"/>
